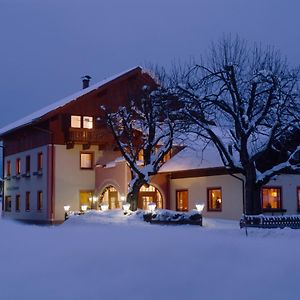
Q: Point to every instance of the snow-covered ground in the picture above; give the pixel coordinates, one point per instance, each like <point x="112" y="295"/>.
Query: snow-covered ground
<point x="111" y="256"/>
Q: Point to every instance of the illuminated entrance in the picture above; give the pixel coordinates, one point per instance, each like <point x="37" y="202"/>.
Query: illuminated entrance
<point x="149" y="194"/>
<point x="111" y="196"/>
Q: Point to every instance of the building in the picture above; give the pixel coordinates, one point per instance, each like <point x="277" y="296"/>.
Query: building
<point x="65" y="155"/>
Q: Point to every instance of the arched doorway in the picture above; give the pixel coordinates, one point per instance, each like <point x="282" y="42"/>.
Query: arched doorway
<point x="110" y="195"/>
<point x="148" y="194"/>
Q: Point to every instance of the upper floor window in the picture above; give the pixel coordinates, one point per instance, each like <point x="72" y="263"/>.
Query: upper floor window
<point x="76" y="121"/>
<point x="86" y="160"/>
<point x="214" y="199"/>
<point x="88" y="122"/>
<point x="18" y="166"/>
<point x="40" y="161"/>
<point x="27" y="164"/>
<point x="8" y="168"/>
<point x="271" y="198"/>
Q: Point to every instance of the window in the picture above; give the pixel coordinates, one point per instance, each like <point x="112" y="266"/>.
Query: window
<point x="86" y="160"/>
<point x="39" y="205"/>
<point x="8" y="168"/>
<point x="298" y="198"/>
<point x="7" y="203"/>
<point x="40" y="161"/>
<point x="182" y="200"/>
<point x="27" y="203"/>
<point x="18" y="166"/>
<point x="76" y="121"/>
<point x="271" y="198"/>
<point x="88" y="122"/>
<point x="167" y="156"/>
<point x="17" y="202"/>
<point x="214" y="199"/>
<point x="141" y="155"/>
<point x="27" y="164"/>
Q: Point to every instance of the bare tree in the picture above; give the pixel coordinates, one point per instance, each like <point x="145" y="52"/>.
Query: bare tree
<point x="246" y="101"/>
<point x="143" y="130"/>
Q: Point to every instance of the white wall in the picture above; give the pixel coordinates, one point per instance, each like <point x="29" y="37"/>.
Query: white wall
<point x="33" y="184"/>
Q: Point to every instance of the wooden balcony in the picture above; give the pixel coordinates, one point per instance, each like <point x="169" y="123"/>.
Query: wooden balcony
<point x="88" y="137"/>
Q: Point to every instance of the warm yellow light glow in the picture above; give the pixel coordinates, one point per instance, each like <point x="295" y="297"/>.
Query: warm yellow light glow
<point x="95" y="199"/>
<point x="67" y="208"/>
<point x="200" y="207"/>
<point x="84" y="207"/>
<point x="123" y="198"/>
<point x="274" y="194"/>
<point x="104" y="206"/>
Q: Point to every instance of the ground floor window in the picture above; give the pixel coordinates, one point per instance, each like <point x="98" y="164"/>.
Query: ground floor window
<point x="7" y="203"/>
<point x="214" y="199"/>
<point x="18" y="202"/>
<point x="271" y="198"/>
<point x="39" y="205"/>
<point x="182" y="200"/>
<point x="27" y="201"/>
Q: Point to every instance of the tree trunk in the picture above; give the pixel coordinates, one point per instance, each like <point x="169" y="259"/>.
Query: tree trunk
<point x="133" y="195"/>
<point x="252" y="194"/>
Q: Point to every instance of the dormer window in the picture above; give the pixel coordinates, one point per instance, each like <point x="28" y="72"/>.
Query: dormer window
<point x="76" y="121"/>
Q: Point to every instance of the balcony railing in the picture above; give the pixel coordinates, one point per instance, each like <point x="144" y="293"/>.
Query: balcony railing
<point x="88" y="136"/>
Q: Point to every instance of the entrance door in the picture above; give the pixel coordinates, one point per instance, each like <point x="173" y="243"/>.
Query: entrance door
<point x="113" y="199"/>
<point x="85" y="198"/>
<point x="145" y="198"/>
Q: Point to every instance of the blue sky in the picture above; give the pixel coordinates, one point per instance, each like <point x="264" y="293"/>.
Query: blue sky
<point x="46" y="46"/>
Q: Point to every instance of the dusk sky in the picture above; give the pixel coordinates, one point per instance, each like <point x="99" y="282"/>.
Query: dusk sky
<point x="46" y="46"/>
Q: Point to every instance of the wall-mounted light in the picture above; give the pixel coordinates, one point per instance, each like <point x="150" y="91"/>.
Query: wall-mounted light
<point x="200" y="207"/>
<point x="66" y="208"/>
<point x="123" y="198"/>
<point x="84" y="208"/>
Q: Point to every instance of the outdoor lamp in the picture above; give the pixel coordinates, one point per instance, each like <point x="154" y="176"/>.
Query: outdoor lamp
<point x="95" y="198"/>
<point x="104" y="206"/>
<point x="200" y="207"/>
<point x="126" y="207"/>
<point x="152" y="206"/>
<point x="123" y="198"/>
<point x="84" y="208"/>
<point x="67" y="208"/>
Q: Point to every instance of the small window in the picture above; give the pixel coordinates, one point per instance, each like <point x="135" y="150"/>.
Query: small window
<point x="76" y="121"/>
<point x="167" y="156"/>
<point x="298" y="198"/>
<point x="39" y="200"/>
<point x="18" y="202"/>
<point x="141" y="155"/>
<point x="40" y="161"/>
<point x="214" y="199"/>
<point x="8" y="168"/>
<point x="86" y="160"/>
<point x="27" y="202"/>
<point x="28" y="164"/>
<point x="88" y="122"/>
<point x="271" y="198"/>
<point x="182" y="200"/>
<point x="18" y="166"/>
<point x="8" y="203"/>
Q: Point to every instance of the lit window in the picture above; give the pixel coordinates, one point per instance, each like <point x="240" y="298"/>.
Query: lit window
<point x="8" y="170"/>
<point x="271" y="198"/>
<point x="39" y="200"/>
<point x="76" y="121"/>
<point x="40" y="161"/>
<point x="86" y="160"/>
<point x="18" y="166"/>
<point x="141" y="155"/>
<point x="214" y="199"/>
<point x="28" y="164"/>
<point x="17" y="202"/>
<point x="167" y="156"/>
<point x="27" y="202"/>
<point x="7" y="203"/>
<point x="182" y="200"/>
<point x="298" y="198"/>
<point x="88" y="122"/>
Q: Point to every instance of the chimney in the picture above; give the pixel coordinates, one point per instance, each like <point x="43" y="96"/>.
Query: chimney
<point x="86" y="81"/>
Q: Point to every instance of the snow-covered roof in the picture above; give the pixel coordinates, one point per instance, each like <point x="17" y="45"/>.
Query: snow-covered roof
<point x="40" y="113"/>
<point x="194" y="156"/>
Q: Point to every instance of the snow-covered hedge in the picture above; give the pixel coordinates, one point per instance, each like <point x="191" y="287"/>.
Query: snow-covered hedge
<point x="174" y="217"/>
<point x="262" y="221"/>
